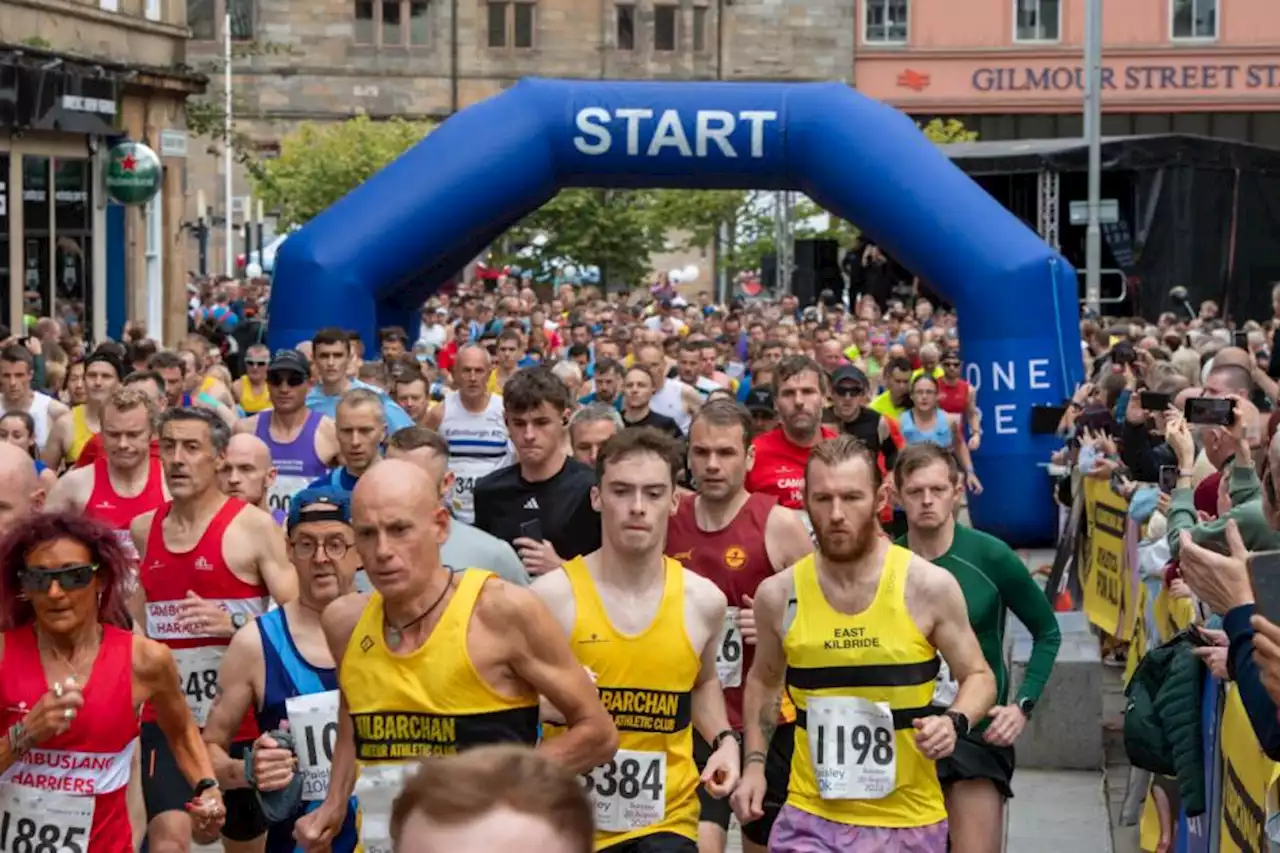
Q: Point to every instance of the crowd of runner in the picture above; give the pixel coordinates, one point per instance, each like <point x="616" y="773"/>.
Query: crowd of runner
<point x="708" y="559"/>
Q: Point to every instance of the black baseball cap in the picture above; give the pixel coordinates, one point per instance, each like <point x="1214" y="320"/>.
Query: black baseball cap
<point x="847" y="373"/>
<point x="760" y="400"/>
<point x="290" y="360"/>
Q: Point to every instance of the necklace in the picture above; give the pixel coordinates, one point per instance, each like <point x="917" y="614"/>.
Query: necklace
<point x="395" y="635"/>
<point x="70" y="661"/>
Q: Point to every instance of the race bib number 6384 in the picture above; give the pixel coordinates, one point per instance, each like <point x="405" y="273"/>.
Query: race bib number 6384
<point x="629" y="792"/>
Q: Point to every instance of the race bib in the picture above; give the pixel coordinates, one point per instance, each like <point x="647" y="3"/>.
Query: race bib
<point x="462" y="498"/>
<point x="729" y="655"/>
<point x="376" y="789"/>
<point x="33" y="820"/>
<point x="630" y="792"/>
<point x="945" y="688"/>
<point x="314" y="722"/>
<point x="198" y="669"/>
<point x="852" y="747"/>
<point x="281" y="493"/>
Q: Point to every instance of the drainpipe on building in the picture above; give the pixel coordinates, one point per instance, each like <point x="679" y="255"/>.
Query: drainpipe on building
<point x="454" y="104"/>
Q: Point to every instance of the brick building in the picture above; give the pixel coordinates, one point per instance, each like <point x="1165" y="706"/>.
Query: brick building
<point x="76" y="76"/>
<point x="429" y="58"/>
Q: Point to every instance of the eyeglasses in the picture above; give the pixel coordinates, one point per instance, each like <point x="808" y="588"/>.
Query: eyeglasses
<point x="70" y="578"/>
<point x="286" y="377"/>
<point x="849" y="391"/>
<point x="335" y="547"/>
<point x="255" y="363"/>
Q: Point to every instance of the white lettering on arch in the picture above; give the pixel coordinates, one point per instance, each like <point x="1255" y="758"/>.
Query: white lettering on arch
<point x="1004" y="419"/>
<point x="632" y="118"/>
<point x="1007" y="375"/>
<point x="591" y="123"/>
<point x="670" y="134"/>
<point x="719" y="134"/>
<point x="973" y="375"/>
<point x="1038" y="370"/>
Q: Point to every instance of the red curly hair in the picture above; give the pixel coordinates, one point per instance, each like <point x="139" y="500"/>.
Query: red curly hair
<point x="104" y="547"/>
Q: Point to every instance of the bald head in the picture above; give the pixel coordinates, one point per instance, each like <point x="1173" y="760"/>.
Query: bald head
<point x="394" y="481"/>
<point x="399" y="525"/>
<point x="247" y="473"/>
<point x="20" y="491"/>
<point x="250" y="448"/>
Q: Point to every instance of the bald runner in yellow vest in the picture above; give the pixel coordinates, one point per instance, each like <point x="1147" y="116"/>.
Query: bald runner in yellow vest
<point x="433" y="661"/>
<point x="855" y="630"/>
<point x="648" y="631"/>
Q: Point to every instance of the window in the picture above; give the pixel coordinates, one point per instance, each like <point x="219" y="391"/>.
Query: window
<point x="1195" y="19"/>
<point x="886" y="22"/>
<point x="626" y="27"/>
<point x="511" y="24"/>
<point x="523" y="25"/>
<point x="1037" y="20"/>
<point x="664" y="27"/>
<point x="200" y="19"/>
<point x="497" y="25"/>
<point x="392" y="23"/>
<point x="699" y="29"/>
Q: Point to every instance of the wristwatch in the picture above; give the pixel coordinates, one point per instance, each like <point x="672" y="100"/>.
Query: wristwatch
<point x="960" y="721"/>
<point x="202" y="786"/>
<point x="239" y="620"/>
<point x="1026" y="706"/>
<point x="721" y="738"/>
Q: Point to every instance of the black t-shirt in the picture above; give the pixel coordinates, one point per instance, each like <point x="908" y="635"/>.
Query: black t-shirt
<point x="661" y="423"/>
<point x="562" y="505"/>
<point x="866" y="428"/>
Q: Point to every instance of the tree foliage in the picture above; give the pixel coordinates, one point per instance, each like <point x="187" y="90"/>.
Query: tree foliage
<point x="320" y="163"/>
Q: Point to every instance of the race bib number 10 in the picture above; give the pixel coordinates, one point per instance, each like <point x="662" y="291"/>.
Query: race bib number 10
<point x="33" y="821"/>
<point x="314" y="722"/>
<point x="630" y="792"/>
<point x="729" y="657"/>
<point x="852" y="747"/>
<point x="199" y="670"/>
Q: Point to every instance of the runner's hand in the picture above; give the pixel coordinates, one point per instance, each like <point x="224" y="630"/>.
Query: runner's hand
<point x="538" y="557"/>
<point x="975" y="485"/>
<point x="722" y="770"/>
<point x="273" y="767"/>
<point x="1007" y="723"/>
<point x="747" y="620"/>
<point x="935" y="736"/>
<point x="315" y="831"/>
<point x="747" y="799"/>
<point x="975" y="441"/>
<point x="204" y="617"/>
<point x="207" y="816"/>
<point x="55" y="711"/>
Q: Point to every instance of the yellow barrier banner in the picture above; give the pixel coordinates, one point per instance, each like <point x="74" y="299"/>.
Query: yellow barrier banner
<point x="1138" y="646"/>
<point x="1104" y="590"/>
<point x="1246" y="775"/>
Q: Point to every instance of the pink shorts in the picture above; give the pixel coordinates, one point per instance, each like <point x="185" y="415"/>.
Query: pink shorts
<point x="797" y="831"/>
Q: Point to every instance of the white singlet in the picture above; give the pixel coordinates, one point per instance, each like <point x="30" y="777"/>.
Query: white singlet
<point x="478" y="445"/>
<point x="669" y="400"/>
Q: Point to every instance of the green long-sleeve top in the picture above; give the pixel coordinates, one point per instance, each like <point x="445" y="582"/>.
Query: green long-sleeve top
<point x="1245" y="491"/>
<point x="995" y="582"/>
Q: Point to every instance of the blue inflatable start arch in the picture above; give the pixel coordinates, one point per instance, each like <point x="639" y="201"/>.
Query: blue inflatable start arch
<point x="373" y="258"/>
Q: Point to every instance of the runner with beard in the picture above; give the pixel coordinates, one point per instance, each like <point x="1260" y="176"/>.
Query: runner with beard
<point x="855" y="632"/>
<point x="976" y="777"/>
<point x="735" y="539"/>
<point x="780" y="455"/>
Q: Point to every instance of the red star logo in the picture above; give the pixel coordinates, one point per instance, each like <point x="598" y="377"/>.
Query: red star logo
<point x="128" y="163"/>
<point x="911" y="79"/>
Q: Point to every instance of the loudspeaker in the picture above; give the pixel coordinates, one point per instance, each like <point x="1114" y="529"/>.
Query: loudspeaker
<point x="817" y="269"/>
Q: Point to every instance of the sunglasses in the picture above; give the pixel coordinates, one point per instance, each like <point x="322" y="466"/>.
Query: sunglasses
<point x="950" y="364"/>
<point x="69" y="577"/>
<point x="286" y="377"/>
<point x="252" y="363"/>
<point x="849" y="391"/>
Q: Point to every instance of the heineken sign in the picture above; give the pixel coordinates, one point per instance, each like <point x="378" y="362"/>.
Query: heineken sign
<point x="133" y="174"/>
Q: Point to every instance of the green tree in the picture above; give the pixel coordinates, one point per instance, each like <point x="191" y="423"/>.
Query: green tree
<point x="615" y="230"/>
<point x="320" y="163"/>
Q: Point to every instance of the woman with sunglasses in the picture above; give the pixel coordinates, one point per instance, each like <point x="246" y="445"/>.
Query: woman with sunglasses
<point x="925" y="422"/>
<point x="72" y="681"/>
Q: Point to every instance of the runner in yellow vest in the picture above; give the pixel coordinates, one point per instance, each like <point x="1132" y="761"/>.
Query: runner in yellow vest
<point x="251" y="390"/>
<point x="855" y="630"/>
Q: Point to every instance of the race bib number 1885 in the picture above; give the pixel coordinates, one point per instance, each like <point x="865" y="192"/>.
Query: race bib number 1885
<point x="630" y="792"/>
<point x="33" y="821"/>
<point x="852" y="747"/>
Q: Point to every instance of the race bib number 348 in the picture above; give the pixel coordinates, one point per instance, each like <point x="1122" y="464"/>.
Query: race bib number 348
<point x="852" y="748"/>
<point x="630" y="792"/>
<point x="33" y="821"/>
<point x="199" y="670"/>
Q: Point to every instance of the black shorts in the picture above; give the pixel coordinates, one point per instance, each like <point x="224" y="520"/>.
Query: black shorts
<point x="974" y="758"/>
<point x="659" y="842"/>
<point x="165" y="789"/>
<point x="777" y="774"/>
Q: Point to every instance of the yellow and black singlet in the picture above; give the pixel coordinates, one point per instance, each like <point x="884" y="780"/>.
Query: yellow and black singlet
<point x="646" y="682"/>
<point x="430" y="701"/>
<point x="858" y="682"/>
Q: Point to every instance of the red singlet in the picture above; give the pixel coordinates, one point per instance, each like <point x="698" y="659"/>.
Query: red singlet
<point x="779" y="466"/>
<point x="166" y="576"/>
<point x="954" y="398"/>
<point x="734" y="559"/>
<point x="106" y="505"/>
<point x="75" y="784"/>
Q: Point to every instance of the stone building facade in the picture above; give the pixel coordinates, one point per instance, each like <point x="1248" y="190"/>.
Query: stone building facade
<point x="326" y="60"/>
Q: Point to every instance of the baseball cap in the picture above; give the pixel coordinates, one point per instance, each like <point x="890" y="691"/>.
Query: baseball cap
<point x="759" y="400"/>
<point x="320" y="503"/>
<point x="290" y="359"/>
<point x="847" y="373"/>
